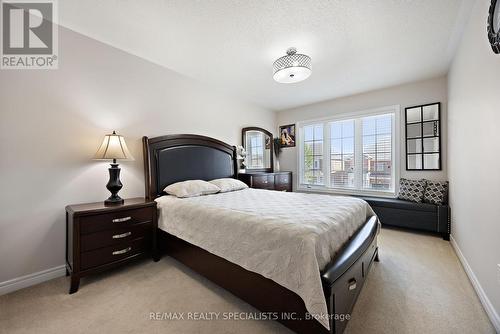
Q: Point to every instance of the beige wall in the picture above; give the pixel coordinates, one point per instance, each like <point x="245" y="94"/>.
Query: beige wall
<point x="434" y="90"/>
<point x="52" y="122"/>
<point x="474" y="151"/>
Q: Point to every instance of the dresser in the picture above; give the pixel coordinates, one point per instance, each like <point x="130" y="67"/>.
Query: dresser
<point x="100" y="237"/>
<point x="281" y="181"/>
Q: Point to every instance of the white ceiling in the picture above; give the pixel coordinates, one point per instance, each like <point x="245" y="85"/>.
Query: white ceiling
<point x="355" y="46"/>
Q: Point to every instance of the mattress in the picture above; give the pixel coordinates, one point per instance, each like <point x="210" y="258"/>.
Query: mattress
<point x="286" y="237"/>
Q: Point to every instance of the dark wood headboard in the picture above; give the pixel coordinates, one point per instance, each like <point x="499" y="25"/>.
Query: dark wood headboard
<point x="175" y="158"/>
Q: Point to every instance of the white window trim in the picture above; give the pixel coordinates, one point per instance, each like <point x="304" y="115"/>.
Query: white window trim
<point x="396" y="156"/>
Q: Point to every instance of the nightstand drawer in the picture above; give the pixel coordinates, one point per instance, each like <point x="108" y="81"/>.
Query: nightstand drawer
<point x="123" y="218"/>
<point x="113" y="253"/>
<point x="116" y="236"/>
<point x="263" y="181"/>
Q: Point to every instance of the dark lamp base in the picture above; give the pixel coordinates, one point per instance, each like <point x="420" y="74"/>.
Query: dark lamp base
<point x="114" y="185"/>
<point x="114" y="200"/>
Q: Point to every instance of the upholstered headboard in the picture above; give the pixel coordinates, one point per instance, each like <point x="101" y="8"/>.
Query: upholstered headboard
<point x="175" y="158"/>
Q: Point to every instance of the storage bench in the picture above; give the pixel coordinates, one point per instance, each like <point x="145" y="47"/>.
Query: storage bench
<point x="418" y="216"/>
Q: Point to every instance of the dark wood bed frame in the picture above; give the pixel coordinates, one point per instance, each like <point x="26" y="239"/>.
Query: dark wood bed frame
<point x="175" y="158"/>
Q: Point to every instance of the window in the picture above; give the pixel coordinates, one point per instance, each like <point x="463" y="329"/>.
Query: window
<point x="377" y="152"/>
<point x="342" y="160"/>
<point x="352" y="154"/>
<point x="313" y="154"/>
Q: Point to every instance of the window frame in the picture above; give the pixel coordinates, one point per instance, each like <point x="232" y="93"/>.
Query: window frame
<point x="326" y="187"/>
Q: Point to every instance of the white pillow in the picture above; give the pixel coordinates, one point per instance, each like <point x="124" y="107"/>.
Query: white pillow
<point x="228" y="184"/>
<point x="191" y="188"/>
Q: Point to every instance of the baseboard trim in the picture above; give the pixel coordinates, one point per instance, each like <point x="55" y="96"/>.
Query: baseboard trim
<point x="31" y="279"/>
<point x="488" y="307"/>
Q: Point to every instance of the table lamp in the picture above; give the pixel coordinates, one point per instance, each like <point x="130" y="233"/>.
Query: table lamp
<point x="113" y="147"/>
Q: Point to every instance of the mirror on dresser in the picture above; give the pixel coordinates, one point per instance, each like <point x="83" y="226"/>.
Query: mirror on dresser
<point x="258" y="144"/>
<point x="259" y="172"/>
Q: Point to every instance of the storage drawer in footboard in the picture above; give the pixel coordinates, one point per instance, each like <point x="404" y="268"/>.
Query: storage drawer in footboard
<point x="345" y="292"/>
<point x="368" y="258"/>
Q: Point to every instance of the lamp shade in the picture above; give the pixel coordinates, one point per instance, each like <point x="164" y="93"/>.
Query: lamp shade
<point x="113" y="147"/>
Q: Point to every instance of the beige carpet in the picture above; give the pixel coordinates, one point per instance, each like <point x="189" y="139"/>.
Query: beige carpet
<point x="418" y="287"/>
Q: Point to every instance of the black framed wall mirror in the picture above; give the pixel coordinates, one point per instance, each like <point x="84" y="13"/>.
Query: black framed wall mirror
<point x="258" y="144"/>
<point x="423" y="137"/>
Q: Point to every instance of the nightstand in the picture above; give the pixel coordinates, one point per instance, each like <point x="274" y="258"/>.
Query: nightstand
<point x="100" y="237"/>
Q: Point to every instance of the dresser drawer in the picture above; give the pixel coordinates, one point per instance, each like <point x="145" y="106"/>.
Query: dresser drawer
<point x="263" y="181"/>
<point x="282" y="187"/>
<point x="113" y="253"/>
<point x="113" y="237"/>
<point x="283" y="182"/>
<point x="282" y="179"/>
<point x="111" y="221"/>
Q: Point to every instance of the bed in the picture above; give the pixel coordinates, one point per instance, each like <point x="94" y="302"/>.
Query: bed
<point x="320" y="302"/>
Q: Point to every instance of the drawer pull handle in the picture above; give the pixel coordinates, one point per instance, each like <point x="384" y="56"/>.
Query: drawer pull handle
<point x="352" y="284"/>
<point x="121" y="220"/>
<point x="123" y="251"/>
<point x="123" y="235"/>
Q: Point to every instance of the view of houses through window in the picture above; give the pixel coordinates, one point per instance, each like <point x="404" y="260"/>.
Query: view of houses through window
<point x="313" y="154"/>
<point x="342" y="154"/>
<point x="377" y="152"/>
<point x="354" y="154"/>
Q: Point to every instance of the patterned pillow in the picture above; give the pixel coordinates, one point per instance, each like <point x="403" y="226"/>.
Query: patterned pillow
<point x="411" y="190"/>
<point x="436" y="192"/>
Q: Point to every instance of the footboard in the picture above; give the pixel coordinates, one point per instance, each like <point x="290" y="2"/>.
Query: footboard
<point x="342" y="280"/>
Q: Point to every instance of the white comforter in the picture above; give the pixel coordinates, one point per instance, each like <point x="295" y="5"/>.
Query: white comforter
<point x="286" y="237"/>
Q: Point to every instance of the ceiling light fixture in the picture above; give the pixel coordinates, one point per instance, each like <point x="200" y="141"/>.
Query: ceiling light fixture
<point x="293" y="67"/>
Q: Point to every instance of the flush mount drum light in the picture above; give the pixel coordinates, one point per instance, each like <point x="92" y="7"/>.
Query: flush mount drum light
<point x="293" y="67"/>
